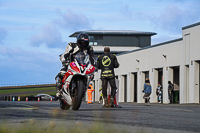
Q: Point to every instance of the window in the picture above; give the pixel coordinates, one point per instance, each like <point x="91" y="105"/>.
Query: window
<point x="91" y="40"/>
<point x="98" y="37"/>
<point x="96" y="40"/>
<point x="91" y="43"/>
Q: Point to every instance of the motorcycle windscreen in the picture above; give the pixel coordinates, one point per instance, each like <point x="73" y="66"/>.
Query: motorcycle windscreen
<point x="82" y="58"/>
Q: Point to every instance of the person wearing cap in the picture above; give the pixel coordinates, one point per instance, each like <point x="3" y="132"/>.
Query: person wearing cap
<point x="106" y="63"/>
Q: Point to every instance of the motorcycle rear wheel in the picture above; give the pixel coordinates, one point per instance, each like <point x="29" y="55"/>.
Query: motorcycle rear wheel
<point x="79" y="91"/>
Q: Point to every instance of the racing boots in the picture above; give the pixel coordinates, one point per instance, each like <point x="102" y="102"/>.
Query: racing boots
<point x="111" y="104"/>
<point x="105" y="103"/>
<point x="148" y="102"/>
<point x="59" y="83"/>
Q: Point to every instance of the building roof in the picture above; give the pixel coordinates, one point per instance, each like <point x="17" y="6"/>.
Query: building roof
<point x="114" y="49"/>
<point x="152" y="46"/>
<point x="190" y="26"/>
<point x="113" y="32"/>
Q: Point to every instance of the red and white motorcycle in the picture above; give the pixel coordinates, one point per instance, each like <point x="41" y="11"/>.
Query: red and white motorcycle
<point x="76" y="81"/>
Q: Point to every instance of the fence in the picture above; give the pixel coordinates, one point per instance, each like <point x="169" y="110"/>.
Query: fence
<point x="23" y="86"/>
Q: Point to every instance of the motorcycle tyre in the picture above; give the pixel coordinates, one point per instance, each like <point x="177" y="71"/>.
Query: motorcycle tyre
<point x="80" y="91"/>
<point x="63" y="105"/>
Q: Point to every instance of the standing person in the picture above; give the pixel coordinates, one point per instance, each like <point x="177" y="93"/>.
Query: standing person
<point x="159" y="92"/>
<point x="89" y="93"/>
<point x="101" y="96"/>
<point x="170" y="91"/>
<point x="147" y="91"/>
<point x="68" y="56"/>
<point x="107" y="62"/>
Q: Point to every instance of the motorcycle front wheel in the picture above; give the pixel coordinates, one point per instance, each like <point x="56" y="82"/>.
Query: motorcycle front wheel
<point x="63" y="105"/>
<point x="79" y="91"/>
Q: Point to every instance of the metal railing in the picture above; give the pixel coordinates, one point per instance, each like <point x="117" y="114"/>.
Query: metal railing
<point x="26" y="85"/>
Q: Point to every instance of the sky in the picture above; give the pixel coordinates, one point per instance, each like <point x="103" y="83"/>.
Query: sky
<point x="33" y="33"/>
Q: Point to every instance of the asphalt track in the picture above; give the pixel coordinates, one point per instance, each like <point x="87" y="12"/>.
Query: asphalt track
<point x="132" y="117"/>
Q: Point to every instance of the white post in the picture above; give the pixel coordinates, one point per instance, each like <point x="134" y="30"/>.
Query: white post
<point x="141" y="81"/>
<point x="130" y="87"/>
<point x="154" y="85"/>
<point x="196" y="82"/>
<point x="121" y="89"/>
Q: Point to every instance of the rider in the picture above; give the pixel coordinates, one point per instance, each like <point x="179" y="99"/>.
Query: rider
<point x="71" y="50"/>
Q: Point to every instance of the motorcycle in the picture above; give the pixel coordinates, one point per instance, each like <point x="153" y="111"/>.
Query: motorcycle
<point x="76" y="81"/>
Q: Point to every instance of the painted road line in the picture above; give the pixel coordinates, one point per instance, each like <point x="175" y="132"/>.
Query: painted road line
<point x="22" y="108"/>
<point x="180" y="109"/>
<point x="27" y="107"/>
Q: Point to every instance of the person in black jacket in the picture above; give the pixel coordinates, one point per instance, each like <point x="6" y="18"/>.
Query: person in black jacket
<point x="107" y="62"/>
<point x="68" y="56"/>
<point x="170" y="91"/>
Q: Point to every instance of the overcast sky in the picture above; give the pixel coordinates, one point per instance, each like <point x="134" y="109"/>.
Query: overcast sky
<point x="34" y="32"/>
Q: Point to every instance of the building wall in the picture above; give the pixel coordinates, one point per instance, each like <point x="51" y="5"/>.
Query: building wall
<point x="182" y="54"/>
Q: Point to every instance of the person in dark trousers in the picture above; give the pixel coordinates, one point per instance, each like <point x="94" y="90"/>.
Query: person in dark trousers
<point x="170" y="91"/>
<point x="159" y="92"/>
<point x="147" y="91"/>
<point x="107" y="62"/>
<point x="68" y="56"/>
<point x="101" y="96"/>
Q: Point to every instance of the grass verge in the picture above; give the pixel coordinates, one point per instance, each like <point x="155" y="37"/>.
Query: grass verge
<point x="46" y="90"/>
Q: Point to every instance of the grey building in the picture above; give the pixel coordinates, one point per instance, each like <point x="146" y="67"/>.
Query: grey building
<point x="118" y="40"/>
<point x="177" y="61"/>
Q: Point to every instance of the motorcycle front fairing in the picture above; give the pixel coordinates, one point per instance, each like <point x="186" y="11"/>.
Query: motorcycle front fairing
<point x="65" y="89"/>
<point x="80" y="68"/>
<point x="83" y="66"/>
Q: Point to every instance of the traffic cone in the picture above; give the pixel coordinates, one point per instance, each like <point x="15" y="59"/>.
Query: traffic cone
<point x="26" y="98"/>
<point x="51" y="98"/>
<point x="18" y="98"/>
<point x="38" y="99"/>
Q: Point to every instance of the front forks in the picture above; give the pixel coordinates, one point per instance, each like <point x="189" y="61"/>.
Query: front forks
<point x="72" y="92"/>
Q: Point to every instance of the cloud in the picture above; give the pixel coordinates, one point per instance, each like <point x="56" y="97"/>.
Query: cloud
<point x="3" y="34"/>
<point x="50" y="36"/>
<point x="51" y="33"/>
<point x="125" y="10"/>
<point x="25" y="66"/>
<point x="72" y="21"/>
<point x="130" y="13"/>
<point x="16" y="56"/>
<point x="173" y="17"/>
<point x="170" y="18"/>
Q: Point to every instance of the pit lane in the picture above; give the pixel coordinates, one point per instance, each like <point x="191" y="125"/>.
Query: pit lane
<point x="131" y="117"/>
